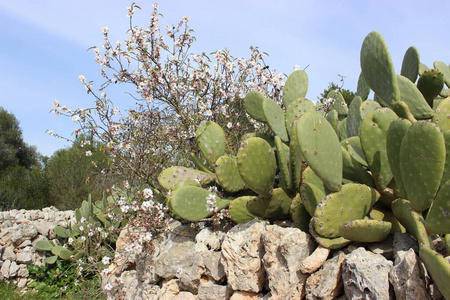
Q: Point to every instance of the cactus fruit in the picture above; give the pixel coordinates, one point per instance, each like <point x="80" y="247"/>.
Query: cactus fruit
<point x="411" y="95"/>
<point x="442" y="115"/>
<point x="228" y="174"/>
<point x="191" y="203"/>
<point x="174" y="177"/>
<point x="330" y="243"/>
<point x="253" y="104"/>
<point x="211" y="141"/>
<point x="422" y="161"/>
<point x="410" y="64"/>
<point x="365" y="231"/>
<point x="438" y="217"/>
<point x="430" y="84"/>
<point x="352" y="202"/>
<point x="377" y="67"/>
<point x="295" y="87"/>
<point x="275" y="118"/>
<point x="257" y="165"/>
<point x="238" y="210"/>
<point x="412" y="220"/>
<point x="373" y="134"/>
<point x="363" y="89"/>
<point x="395" y="135"/>
<point x="439" y="269"/>
<point x="321" y="149"/>
<point x="296" y="109"/>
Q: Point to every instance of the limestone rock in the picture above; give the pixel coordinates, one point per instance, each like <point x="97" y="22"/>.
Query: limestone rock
<point x="242" y="251"/>
<point x="210" y="265"/>
<point x="285" y="249"/>
<point x="240" y="295"/>
<point x="24" y="257"/>
<point x="366" y="275"/>
<point x="404" y="242"/>
<point x="208" y="239"/>
<point x="5" y="268"/>
<point x="213" y="291"/>
<point x="9" y="254"/>
<point x="23" y="232"/>
<point x="326" y="283"/>
<point x="406" y="276"/>
<point x="313" y="262"/>
<point x="23" y="271"/>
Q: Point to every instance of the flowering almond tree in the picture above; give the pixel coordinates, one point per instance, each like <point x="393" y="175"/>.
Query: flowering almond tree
<point x="175" y="91"/>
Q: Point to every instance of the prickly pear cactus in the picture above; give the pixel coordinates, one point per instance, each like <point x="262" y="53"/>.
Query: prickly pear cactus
<point x="410" y="65"/>
<point x="295" y="110"/>
<point x="174" y="177"/>
<point x="430" y="84"/>
<point x="439" y="269"/>
<point x="438" y="217"/>
<point x="253" y="104"/>
<point x="363" y="89"/>
<point x="321" y="149"/>
<point x="275" y="118"/>
<point x="228" y="174"/>
<point x="295" y="87"/>
<point x="211" y="141"/>
<point x="238" y="210"/>
<point x="365" y="231"/>
<point x="411" y="95"/>
<point x="257" y="165"/>
<point x="422" y="161"/>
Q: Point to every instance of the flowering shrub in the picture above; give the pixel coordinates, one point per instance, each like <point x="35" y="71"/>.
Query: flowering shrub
<point x="175" y="91"/>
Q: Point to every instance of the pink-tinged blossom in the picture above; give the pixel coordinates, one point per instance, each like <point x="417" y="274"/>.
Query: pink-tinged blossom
<point x="82" y="79"/>
<point x="147" y="193"/>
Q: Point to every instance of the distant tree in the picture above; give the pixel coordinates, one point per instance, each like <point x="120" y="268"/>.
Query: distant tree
<point x="76" y="172"/>
<point x="347" y="94"/>
<point x="13" y="150"/>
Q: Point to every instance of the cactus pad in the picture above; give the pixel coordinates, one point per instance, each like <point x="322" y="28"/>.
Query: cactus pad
<point x="296" y="109"/>
<point x="438" y="217"/>
<point x="299" y="214"/>
<point x="311" y="196"/>
<point x="253" y="104"/>
<point x="376" y="64"/>
<point x="354" y="171"/>
<point x="211" y="141"/>
<point x="354" y="117"/>
<point x="283" y="163"/>
<point x="442" y="115"/>
<point x="363" y="89"/>
<point x="422" y="161"/>
<point x="365" y="231"/>
<point x="410" y="64"/>
<point x="382" y="214"/>
<point x="373" y="134"/>
<point x="295" y="87"/>
<point x="411" y="95"/>
<point x="330" y="243"/>
<point x="430" y="84"/>
<point x="228" y="174"/>
<point x="190" y="203"/>
<point x="238" y="210"/>
<point x="439" y="269"/>
<point x="174" y="177"/>
<point x="274" y="116"/>
<point x="276" y="206"/>
<point x="353" y="202"/>
<point x="321" y="149"/>
<point x="257" y="165"/>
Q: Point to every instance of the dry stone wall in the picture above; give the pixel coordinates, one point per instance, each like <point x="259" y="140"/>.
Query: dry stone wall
<point x="19" y="232"/>
<point x="262" y="261"/>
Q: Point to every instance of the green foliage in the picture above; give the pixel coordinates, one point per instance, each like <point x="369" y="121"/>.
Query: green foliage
<point x="347" y="94"/>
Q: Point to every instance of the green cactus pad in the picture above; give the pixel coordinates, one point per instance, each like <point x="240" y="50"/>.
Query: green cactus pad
<point x="190" y="203"/>
<point x="439" y="269"/>
<point x="438" y="217"/>
<point x="276" y="206"/>
<point x="332" y="118"/>
<point x="395" y="135"/>
<point x="198" y="163"/>
<point x="402" y="110"/>
<point x="295" y="87"/>
<point x="442" y="115"/>
<point x="51" y="259"/>
<point x="296" y="109"/>
<point x="373" y="134"/>
<point x="283" y="163"/>
<point x="354" y="171"/>
<point x="382" y="214"/>
<point x="410" y="64"/>
<point x="412" y="220"/>
<point x="430" y="84"/>
<point x="299" y="214"/>
<point x="238" y="210"/>
<point x="422" y="68"/>
<point x="353" y="146"/>
<point x="44" y="245"/>
<point x="368" y="106"/>
<point x="422" y="161"/>
<point x="311" y="196"/>
<point x="211" y="141"/>
<point x="321" y="149"/>
<point x="228" y="174"/>
<point x="342" y="129"/>
<point x="365" y="231"/>
<point x="376" y="64"/>
<point x="444" y="69"/>
<point x="264" y="136"/>
<point x="253" y="104"/>
<point x="257" y="165"/>
<point x="363" y="89"/>
<point x="352" y="202"/>
<point x="175" y="177"/>
<point x="446" y="174"/>
<point x="411" y="95"/>
<point x="61" y="232"/>
<point x="275" y="118"/>
<point x="354" y="117"/>
<point x="296" y="158"/>
<point x="330" y="243"/>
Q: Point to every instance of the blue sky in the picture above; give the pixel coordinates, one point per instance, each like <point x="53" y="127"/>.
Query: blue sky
<point x="44" y="43"/>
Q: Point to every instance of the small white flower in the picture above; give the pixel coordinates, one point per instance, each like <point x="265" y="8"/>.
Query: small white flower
<point x="147" y="193"/>
<point x="56" y="103"/>
<point x="82" y="79"/>
<point x="105" y="30"/>
<point x="88" y="153"/>
<point x="106" y="260"/>
<point x="108" y="287"/>
<point x="75" y="118"/>
<point x="70" y="241"/>
<point x="229" y="125"/>
<point x="81" y="227"/>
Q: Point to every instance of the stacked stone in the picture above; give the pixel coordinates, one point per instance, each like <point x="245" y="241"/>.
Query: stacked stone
<point x="19" y="232"/>
<point x="261" y="261"/>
